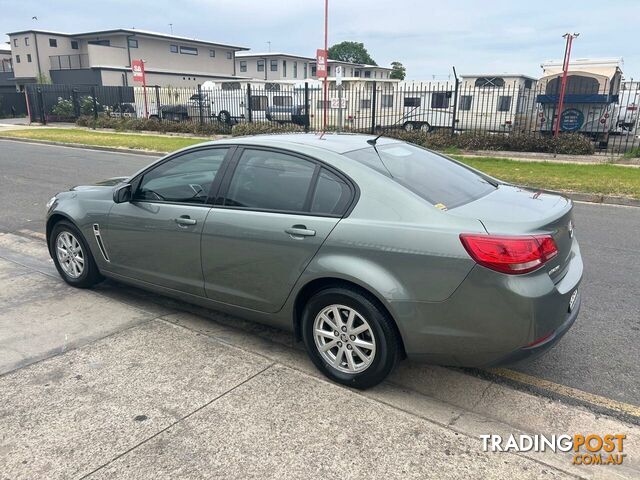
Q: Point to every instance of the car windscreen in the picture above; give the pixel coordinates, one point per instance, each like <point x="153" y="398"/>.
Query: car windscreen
<point x="440" y="181"/>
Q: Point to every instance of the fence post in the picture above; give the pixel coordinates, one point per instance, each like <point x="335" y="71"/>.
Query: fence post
<point x="306" y="107"/>
<point x="120" y="102"/>
<point x="373" y="109"/>
<point x="95" y="106"/>
<point x="249" y="109"/>
<point x="43" y="117"/>
<point x="200" y="112"/>
<point x="74" y="100"/>
<point x="157" y="89"/>
<point x="455" y="105"/>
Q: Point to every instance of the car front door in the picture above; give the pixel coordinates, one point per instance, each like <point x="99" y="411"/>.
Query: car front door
<point x="156" y="236"/>
<point x="274" y="211"/>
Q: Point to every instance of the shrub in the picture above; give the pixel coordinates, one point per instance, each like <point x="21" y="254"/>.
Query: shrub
<point x="64" y="108"/>
<point x="263" y="128"/>
<point x="153" y="125"/>
<point x="633" y="153"/>
<point x="567" y="143"/>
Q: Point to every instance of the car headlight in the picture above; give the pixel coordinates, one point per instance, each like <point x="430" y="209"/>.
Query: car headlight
<point x="50" y="203"/>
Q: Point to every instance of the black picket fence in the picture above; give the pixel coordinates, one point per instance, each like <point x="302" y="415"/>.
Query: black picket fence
<point x="12" y="104"/>
<point x="602" y="110"/>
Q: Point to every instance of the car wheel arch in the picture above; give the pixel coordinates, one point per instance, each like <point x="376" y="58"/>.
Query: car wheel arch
<point x="53" y="220"/>
<point x="318" y="284"/>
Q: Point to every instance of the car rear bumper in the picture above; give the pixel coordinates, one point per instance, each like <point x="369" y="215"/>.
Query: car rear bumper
<point x="492" y="318"/>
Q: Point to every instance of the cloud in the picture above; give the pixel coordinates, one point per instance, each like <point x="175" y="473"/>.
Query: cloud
<point x="427" y="36"/>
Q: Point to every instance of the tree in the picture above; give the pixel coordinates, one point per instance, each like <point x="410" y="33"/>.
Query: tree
<point x="398" y="71"/>
<point x="42" y="79"/>
<point x="353" y="52"/>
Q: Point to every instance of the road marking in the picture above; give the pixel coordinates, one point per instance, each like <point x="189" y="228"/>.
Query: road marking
<point x="564" y="390"/>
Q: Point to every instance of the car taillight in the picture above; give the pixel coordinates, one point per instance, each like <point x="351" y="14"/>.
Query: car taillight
<point x="506" y="254"/>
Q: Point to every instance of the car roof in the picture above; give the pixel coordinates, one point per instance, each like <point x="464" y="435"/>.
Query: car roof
<point x="334" y="142"/>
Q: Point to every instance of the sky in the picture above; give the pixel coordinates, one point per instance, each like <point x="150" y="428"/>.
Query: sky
<point x="428" y="37"/>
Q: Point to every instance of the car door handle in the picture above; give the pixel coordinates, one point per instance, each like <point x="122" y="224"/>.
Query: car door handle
<point x="300" y="231"/>
<point x="186" y="220"/>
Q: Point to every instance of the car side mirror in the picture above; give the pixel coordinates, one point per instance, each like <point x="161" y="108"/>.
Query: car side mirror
<point x="122" y="194"/>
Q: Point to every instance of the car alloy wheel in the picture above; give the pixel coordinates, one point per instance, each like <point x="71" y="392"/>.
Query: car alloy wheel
<point x="408" y="127"/>
<point x="344" y="339"/>
<point x="70" y="254"/>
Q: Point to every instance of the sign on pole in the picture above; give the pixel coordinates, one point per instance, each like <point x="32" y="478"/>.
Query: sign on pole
<point x="339" y="75"/>
<point x="137" y="69"/>
<point x="321" y="63"/>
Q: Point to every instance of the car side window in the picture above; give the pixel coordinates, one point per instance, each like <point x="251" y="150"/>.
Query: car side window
<point x="267" y="180"/>
<point x="332" y="195"/>
<point x="185" y="179"/>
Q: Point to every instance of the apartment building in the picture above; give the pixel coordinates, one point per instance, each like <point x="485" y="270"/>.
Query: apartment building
<point x="104" y="58"/>
<point x="273" y="65"/>
<point x="6" y="69"/>
<point x="286" y="66"/>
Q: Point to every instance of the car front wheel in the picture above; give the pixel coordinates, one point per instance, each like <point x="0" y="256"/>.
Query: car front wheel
<point x="72" y="256"/>
<point x="349" y="337"/>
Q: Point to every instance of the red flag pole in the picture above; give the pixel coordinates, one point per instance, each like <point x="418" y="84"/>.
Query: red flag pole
<point x="326" y="86"/>
<point x="563" y="85"/>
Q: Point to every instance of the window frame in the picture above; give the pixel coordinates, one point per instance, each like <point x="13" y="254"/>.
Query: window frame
<point x="26" y="41"/>
<point x="215" y="184"/>
<point x="174" y="48"/>
<point x="501" y="99"/>
<point x="53" y="43"/>
<point x="132" y="43"/>
<point x="187" y="50"/>
<point x="230" y="170"/>
<point x="75" y="45"/>
<point x="243" y="66"/>
<point x="212" y="53"/>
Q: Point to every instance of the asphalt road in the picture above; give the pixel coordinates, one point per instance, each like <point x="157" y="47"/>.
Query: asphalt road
<point x="598" y="355"/>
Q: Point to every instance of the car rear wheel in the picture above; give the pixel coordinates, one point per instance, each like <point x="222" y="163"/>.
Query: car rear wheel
<point x="409" y="126"/>
<point x="72" y="256"/>
<point x="224" y="117"/>
<point x="349" y="337"/>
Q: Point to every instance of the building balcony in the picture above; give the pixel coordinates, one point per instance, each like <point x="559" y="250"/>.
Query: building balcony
<point x="69" y="62"/>
<point x="5" y="66"/>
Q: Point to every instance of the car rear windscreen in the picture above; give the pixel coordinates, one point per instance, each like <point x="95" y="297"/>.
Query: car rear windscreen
<point x="435" y="178"/>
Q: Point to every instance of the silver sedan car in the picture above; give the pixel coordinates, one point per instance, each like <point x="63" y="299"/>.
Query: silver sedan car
<point x="369" y="249"/>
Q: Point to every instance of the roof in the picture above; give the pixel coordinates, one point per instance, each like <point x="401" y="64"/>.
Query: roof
<point x="334" y="142"/>
<point x="617" y="61"/>
<point x="132" y="31"/>
<point x="4" y="49"/>
<point x="360" y="65"/>
<point x="251" y="54"/>
<point x="493" y="75"/>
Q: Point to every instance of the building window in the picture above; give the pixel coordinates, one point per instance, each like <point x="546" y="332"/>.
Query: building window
<point x="440" y="99"/>
<point x="133" y="43"/>
<point x="365" y="103"/>
<point x="328" y="70"/>
<point x="26" y="41"/>
<point x="212" y="53"/>
<point x="305" y="69"/>
<point x="412" y="102"/>
<point x="74" y="45"/>
<point x="386" y="101"/>
<point x="284" y="68"/>
<point x="295" y="69"/>
<point x="260" y="65"/>
<point x="274" y="65"/>
<point x="243" y="65"/>
<point x="52" y="42"/>
<point x="489" y="82"/>
<point x="188" y="50"/>
<point x="15" y="42"/>
<point x="17" y="58"/>
<point x="173" y="48"/>
<point x="465" y="102"/>
<point x="528" y="83"/>
<point x="367" y="74"/>
<point x="104" y="43"/>
<point x="313" y="71"/>
<point x="229" y="55"/>
<point x="504" y="103"/>
<point x="28" y="58"/>
<point x="356" y="73"/>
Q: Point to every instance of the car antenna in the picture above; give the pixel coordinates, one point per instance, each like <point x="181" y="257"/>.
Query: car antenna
<point x="372" y="141"/>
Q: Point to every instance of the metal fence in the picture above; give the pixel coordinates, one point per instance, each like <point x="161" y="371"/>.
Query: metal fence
<point x="603" y="110"/>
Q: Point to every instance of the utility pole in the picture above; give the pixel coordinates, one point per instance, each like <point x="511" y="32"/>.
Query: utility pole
<point x="563" y="85"/>
<point x="326" y="51"/>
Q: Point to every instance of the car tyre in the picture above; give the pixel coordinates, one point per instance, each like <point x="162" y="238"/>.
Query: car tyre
<point x="372" y="326"/>
<point x="69" y="238"/>
<point x="224" y="117"/>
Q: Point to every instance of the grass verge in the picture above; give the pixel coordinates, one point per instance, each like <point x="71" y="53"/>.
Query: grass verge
<point x="158" y="143"/>
<point x="601" y="179"/>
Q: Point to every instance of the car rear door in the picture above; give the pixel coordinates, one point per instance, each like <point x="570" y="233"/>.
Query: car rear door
<point x="156" y="236"/>
<point x="274" y="211"/>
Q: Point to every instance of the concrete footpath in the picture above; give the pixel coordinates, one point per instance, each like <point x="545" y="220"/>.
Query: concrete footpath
<point x="119" y="383"/>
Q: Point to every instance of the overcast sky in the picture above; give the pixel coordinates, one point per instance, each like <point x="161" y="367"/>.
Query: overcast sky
<point x="428" y="37"/>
